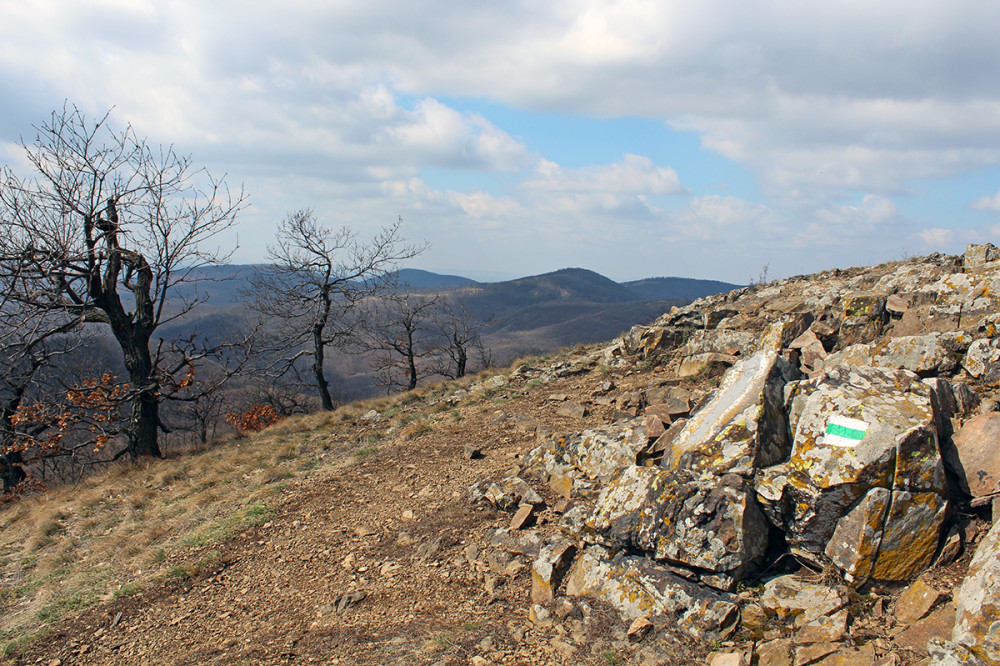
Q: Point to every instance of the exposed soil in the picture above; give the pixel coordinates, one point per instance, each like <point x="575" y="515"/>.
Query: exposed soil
<point x="386" y="561"/>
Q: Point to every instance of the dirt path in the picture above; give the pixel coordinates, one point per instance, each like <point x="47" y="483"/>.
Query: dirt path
<point x="384" y="561"/>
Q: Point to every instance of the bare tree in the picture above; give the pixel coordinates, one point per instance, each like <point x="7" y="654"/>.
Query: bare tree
<point x="460" y="337"/>
<point x="103" y="230"/>
<point x="315" y="279"/>
<point x="399" y="330"/>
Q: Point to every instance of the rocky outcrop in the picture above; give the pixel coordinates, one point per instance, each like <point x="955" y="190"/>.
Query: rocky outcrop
<point x="836" y="403"/>
<point x="926" y="355"/>
<point x="744" y="427"/>
<point x="706" y="523"/>
<point x="637" y="588"/>
<point x="982" y="360"/>
<point x="591" y="454"/>
<point x="865" y="484"/>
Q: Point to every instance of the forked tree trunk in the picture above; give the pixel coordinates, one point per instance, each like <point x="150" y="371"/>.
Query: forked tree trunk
<point x="141" y="431"/>
<point x="461" y="359"/>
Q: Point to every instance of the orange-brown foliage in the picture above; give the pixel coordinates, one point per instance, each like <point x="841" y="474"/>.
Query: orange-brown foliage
<point x="254" y="419"/>
<point x="94" y="402"/>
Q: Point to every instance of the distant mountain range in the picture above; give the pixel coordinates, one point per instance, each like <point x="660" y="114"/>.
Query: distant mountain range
<point x="531" y="315"/>
<point x="223" y="284"/>
<point x="579" y="280"/>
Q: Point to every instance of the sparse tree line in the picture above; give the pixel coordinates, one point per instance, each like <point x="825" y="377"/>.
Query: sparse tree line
<point x="95" y="241"/>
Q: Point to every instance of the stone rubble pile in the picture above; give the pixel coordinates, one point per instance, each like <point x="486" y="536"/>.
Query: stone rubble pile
<point x="854" y="417"/>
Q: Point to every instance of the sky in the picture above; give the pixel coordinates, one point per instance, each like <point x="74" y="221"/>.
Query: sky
<point x="709" y="139"/>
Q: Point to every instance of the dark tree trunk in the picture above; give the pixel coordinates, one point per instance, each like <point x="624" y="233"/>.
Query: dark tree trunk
<point x="141" y="432"/>
<point x="11" y="470"/>
<point x="411" y="361"/>
<point x="318" y="356"/>
<point x="461" y="358"/>
<point x="133" y="332"/>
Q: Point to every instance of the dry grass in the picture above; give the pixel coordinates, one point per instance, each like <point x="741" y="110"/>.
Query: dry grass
<point x="133" y="526"/>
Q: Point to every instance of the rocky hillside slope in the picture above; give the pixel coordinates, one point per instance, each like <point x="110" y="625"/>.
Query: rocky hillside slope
<point x="803" y="472"/>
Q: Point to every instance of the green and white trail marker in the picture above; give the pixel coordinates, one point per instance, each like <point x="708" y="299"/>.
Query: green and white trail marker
<point x="844" y="431"/>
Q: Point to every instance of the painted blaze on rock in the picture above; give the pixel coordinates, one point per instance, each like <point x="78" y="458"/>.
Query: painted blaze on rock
<point x="865" y="483"/>
<point x="699" y="510"/>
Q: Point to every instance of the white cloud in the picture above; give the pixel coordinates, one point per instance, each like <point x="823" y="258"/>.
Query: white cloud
<point x="873" y="217"/>
<point x="937" y="237"/>
<point x="850" y="88"/>
<point x="438" y="135"/>
<point x="634" y="174"/>
<point x="987" y="202"/>
<point x="484" y="206"/>
<point x="342" y="104"/>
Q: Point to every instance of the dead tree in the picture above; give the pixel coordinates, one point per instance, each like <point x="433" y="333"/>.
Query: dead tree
<point x="460" y="336"/>
<point x="311" y="288"/>
<point x="398" y="331"/>
<point x="105" y="227"/>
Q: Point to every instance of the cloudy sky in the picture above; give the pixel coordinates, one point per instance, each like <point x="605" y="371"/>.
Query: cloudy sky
<point x="632" y="137"/>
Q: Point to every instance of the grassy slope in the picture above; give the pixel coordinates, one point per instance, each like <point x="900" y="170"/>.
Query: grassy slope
<point x="133" y="526"/>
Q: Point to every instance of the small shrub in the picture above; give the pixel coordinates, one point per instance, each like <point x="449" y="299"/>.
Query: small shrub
<point x="417" y="427"/>
<point x="128" y="590"/>
<point x="254" y="419"/>
<point x="182" y="571"/>
<point x="611" y="658"/>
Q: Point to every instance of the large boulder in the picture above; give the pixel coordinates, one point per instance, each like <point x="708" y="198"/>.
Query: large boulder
<point x="793" y="598"/>
<point x="982" y="360"/>
<point x="974" y="457"/>
<point x="811" y="350"/>
<point x="864" y="486"/>
<point x="977" y="620"/>
<point x="743" y="427"/>
<point x="979" y="255"/>
<point x="927" y="355"/>
<point x="659" y="338"/>
<point x="593" y="454"/>
<point x="864" y="315"/>
<point x="975" y="294"/>
<point x="908" y="278"/>
<point x="637" y="587"/>
<point x="736" y="343"/>
<point x="708" y="523"/>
